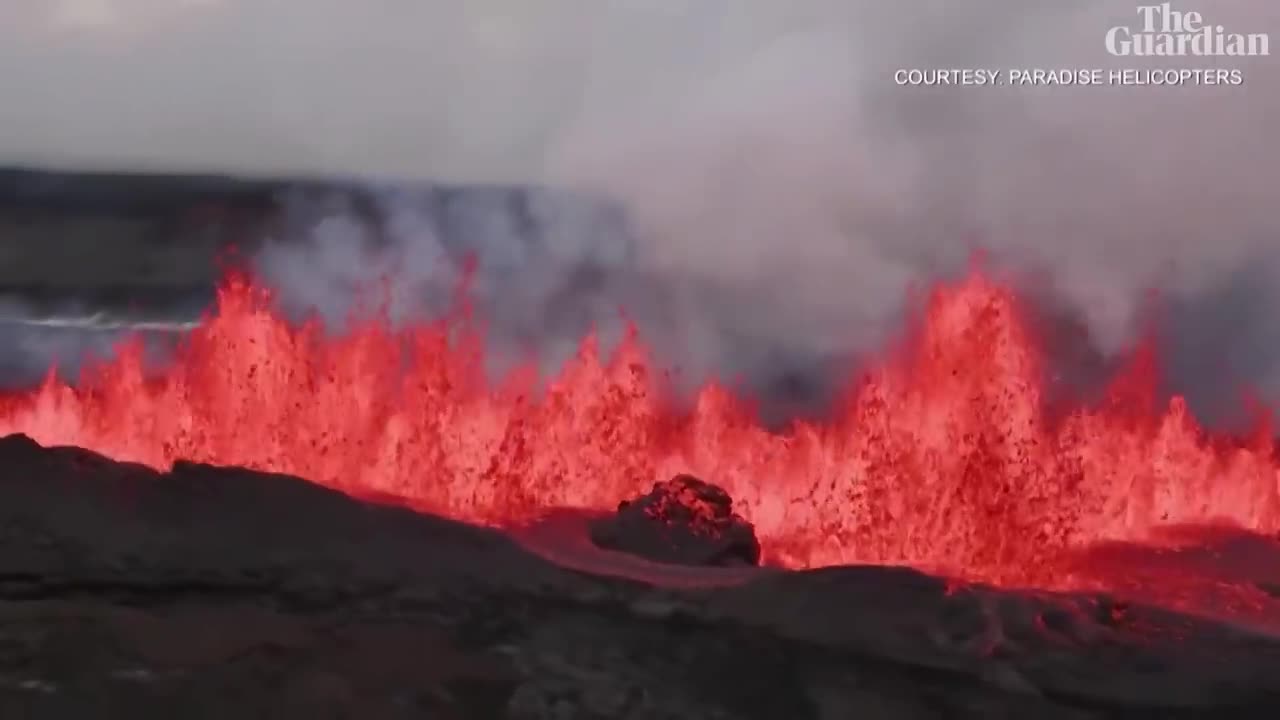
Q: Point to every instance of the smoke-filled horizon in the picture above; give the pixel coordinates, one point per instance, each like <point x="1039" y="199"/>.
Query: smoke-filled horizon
<point x="759" y="148"/>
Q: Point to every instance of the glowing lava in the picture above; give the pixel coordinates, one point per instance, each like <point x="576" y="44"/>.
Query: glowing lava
<point x="942" y="458"/>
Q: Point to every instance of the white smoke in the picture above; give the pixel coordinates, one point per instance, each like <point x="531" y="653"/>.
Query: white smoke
<point x="759" y="148"/>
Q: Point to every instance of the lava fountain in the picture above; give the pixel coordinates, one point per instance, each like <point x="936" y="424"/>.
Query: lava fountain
<point x="941" y="457"/>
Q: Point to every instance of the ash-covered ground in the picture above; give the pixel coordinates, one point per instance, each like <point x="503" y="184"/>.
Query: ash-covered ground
<point x="222" y="592"/>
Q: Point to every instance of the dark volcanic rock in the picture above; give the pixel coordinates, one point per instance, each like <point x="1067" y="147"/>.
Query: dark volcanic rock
<point x="208" y="592"/>
<point x="147" y="242"/>
<point x="684" y="521"/>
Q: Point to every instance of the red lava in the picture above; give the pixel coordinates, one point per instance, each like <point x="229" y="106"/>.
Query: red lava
<point x="941" y="458"/>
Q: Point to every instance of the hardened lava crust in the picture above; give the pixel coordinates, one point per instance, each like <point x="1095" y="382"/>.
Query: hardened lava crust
<point x="222" y="592"/>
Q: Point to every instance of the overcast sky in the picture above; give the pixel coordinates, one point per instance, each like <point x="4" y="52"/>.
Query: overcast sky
<point x="452" y="88"/>
<point x="469" y="88"/>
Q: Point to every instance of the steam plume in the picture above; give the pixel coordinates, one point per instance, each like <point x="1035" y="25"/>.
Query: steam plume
<point x="779" y="189"/>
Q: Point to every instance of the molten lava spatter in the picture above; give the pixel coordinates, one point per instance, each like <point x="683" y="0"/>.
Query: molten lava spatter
<point x="941" y="458"/>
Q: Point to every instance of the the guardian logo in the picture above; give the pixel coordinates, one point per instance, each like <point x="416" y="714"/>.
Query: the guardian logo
<point x="1165" y="32"/>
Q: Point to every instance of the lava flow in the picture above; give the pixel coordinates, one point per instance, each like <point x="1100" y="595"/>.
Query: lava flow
<point x="942" y="457"/>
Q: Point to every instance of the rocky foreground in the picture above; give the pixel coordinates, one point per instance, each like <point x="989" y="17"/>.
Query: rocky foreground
<point x="223" y="593"/>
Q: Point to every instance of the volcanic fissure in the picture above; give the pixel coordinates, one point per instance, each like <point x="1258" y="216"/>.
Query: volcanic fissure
<point x="941" y="457"/>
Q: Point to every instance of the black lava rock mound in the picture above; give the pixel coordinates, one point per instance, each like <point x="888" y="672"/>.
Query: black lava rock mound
<point x="683" y="521"/>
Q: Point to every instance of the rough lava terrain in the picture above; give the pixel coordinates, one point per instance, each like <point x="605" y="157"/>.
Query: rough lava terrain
<point x="221" y="592"/>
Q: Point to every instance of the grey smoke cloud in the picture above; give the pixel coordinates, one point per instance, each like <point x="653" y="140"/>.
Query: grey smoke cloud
<point x="759" y="148"/>
<point x="69" y="341"/>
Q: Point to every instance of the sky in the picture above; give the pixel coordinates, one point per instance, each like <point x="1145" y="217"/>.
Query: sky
<point x="439" y="88"/>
